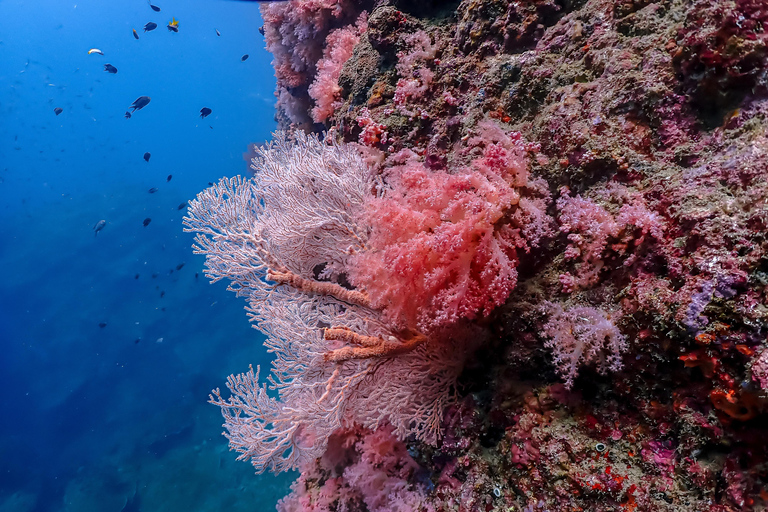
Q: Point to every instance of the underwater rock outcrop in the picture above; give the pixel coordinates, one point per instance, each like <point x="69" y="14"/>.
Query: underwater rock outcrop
<point x="626" y="367"/>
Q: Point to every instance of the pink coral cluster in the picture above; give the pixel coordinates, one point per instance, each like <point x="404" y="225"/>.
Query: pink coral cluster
<point x="450" y="240"/>
<point x="582" y="335"/>
<point x="370" y="469"/>
<point x="416" y="76"/>
<point x="283" y="238"/>
<point x="295" y="32"/>
<point x="593" y="231"/>
<point x="373" y="133"/>
<point x="325" y="90"/>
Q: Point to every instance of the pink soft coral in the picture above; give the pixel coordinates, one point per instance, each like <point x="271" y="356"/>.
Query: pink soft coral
<point x="295" y="33"/>
<point x="412" y="67"/>
<point x="378" y="472"/>
<point x="594" y="232"/>
<point x="760" y="369"/>
<point x="582" y="335"/>
<point x="451" y="240"/>
<point x="325" y="90"/>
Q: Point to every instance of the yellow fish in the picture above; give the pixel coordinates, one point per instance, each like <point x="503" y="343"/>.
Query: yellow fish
<point x="173" y="26"/>
<point x="95" y="50"/>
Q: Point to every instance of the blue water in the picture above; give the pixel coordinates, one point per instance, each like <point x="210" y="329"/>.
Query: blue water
<point x="114" y="417"/>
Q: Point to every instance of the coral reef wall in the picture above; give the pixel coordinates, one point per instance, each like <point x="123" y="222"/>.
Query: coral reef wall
<point x="626" y="366"/>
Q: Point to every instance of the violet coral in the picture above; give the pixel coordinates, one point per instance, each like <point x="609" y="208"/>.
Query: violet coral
<point x="582" y="335"/>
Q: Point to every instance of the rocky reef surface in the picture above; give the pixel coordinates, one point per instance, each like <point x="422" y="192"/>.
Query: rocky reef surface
<point x="628" y="368"/>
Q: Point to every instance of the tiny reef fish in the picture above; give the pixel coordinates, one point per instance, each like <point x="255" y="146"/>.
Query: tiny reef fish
<point x="152" y="190"/>
<point x="217" y="32"/>
<point x="173" y="26"/>
<point x="154" y="7"/>
<point x="127" y="115"/>
<point x="58" y="110"/>
<point x="146" y="156"/>
<point x="244" y="57"/>
<point x="109" y="68"/>
<point x="99" y="226"/>
<point x="95" y="50"/>
<point x="147" y="221"/>
<point x="205" y="112"/>
<point x="135" y="34"/>
<point x="150" y="27"/>
<point x="140" y="103"/>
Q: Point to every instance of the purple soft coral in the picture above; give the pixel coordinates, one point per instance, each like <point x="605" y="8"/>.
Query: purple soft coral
<point x="582" y="335"/>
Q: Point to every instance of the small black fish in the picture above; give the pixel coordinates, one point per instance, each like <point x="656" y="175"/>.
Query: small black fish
<point x="150" y="27"/>
<point x="261" y="30"/>
<point x="169" y="178"/>
<point x="146" y="156"/>
<point x="244" y="57"/>
<point x="152" y="190"/>
<point x="146" y="223"/>
<point x="217" y="32"/>
<point x="135" y="34"/>
<point x="162" y="294"/>
<point x="109" y="68"/>
<point x="137" y="340"/>
<point x="102" y="324"/>
<point x="180" y="266"/>
<point x="173" y="25"/>
<point x="154" y="7"/>
<point x="99" y="226"/>
<point x="210" y="183"/>
<point x="136" y="276"/>
<point x="127" y="115"/>
<point x="181" y="206"/>
<point x="58" y="110"/>
<point x="205" y="112"/>
<point x="140" y="103"/>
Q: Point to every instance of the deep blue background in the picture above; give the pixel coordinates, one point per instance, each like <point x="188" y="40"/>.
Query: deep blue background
<point x="94" y="418"/>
